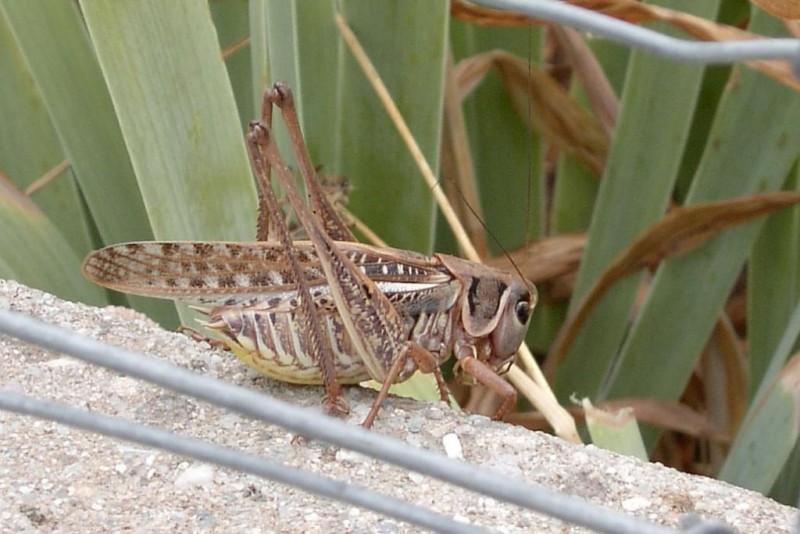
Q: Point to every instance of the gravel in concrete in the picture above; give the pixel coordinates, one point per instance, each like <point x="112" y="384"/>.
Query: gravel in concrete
<point x="56" y="479"/>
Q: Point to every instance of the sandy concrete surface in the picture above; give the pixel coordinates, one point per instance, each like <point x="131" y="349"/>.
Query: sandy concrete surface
<point x="56" y="479"/>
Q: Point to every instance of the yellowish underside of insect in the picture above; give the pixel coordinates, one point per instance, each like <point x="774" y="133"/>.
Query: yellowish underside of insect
<point x="269" y="338"/>
<point x="295" y="370"/>
<point x="270" y="342"/>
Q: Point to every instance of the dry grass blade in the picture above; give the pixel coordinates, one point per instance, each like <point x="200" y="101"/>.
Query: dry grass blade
<point x="678" y="232"/>
<point x="542" y="398"/>
<point x="239" y="44"/>
<point x="361" y="227"/>
<point x="47" y="177"/>
<point x="555" y="114"/>
<point x="457" y="169"/>
<point x="599" y="93"/>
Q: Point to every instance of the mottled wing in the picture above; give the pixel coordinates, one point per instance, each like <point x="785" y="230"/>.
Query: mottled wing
<point x="244" y="274"/>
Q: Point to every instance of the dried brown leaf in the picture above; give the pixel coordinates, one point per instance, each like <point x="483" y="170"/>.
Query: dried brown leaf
<point x="724" y="377"/>
<point x="602" y="99"/>
<point x="678" y="232"/>
<point x="547" y="259"/>
<point x="784" y="9"/>
<point x="555" y="114"/>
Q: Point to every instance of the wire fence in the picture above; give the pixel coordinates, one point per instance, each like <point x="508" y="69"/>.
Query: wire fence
<point x="319" y="427"/>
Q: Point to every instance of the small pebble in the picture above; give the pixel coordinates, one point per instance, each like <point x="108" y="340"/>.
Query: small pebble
<point x="197" y="475"/>
<point x="635" y="503"/>
<point x="452" y="446"/>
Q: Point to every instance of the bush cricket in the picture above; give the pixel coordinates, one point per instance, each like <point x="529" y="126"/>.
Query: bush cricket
<point x="329" y="310"/>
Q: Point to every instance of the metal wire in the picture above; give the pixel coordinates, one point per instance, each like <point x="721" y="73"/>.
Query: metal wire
<point x="317" y="426"/>
<point x="241" y="461"/>
<point x="651" y="41"/>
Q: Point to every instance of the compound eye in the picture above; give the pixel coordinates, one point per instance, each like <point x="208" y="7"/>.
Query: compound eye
<point x="523" y="311"/>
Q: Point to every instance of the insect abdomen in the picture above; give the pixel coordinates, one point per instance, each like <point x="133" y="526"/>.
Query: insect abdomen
<point x="275" y="345"/>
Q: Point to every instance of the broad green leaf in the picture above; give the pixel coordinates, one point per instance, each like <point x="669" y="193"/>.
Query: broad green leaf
<point x="576" y="188"/>
<point x="304" y="52"/>
<point x="773" y="281"/>
<point x="785" y="488"/>
<point x="655" y="114"/>
<point x="232" y="22"/>
<point x="29" y="146"/>
<point x="506" y="154"/>
<point x="177" y="114"/>
<point x="53" y="42"/>
<point x="768" y="435"/>
<point x="55" y="46"/>
<point x="389" y="192"/>
<point x="39" y="256"/>
<point x="345" y="126"/>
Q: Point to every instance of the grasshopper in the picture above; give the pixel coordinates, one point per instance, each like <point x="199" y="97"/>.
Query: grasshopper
<point x="329" y="310"/>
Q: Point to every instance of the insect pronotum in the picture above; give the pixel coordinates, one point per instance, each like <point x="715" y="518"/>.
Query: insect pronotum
<point x="329" y="310"/>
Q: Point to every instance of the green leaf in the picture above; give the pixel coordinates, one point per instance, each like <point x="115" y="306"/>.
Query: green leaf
<point x="55" y="46"/>
<point x="618" y="431"/>
<point x="389" y="192"/>
<point x="768" y="435"/>
<point x="178" y="116"/>
<point x="507" y="156"/>
<point x="232" y="22"/>
<point x="656" y="105"/>
<point x="40" y="256"/>
<point x="53" y="41"/>
<point x="29" y="146"/>
<point x="773" y="282"/>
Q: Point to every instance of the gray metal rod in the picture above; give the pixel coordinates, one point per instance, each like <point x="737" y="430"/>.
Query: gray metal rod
<point x="651" y="41"/>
